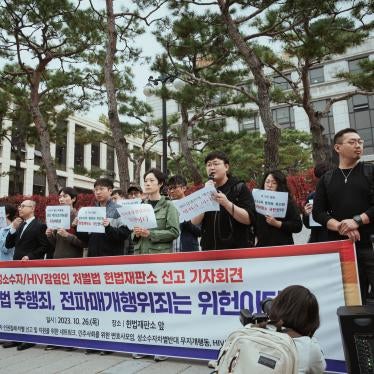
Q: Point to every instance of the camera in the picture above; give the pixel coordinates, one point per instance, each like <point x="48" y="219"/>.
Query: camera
<point x="247" y="317"/>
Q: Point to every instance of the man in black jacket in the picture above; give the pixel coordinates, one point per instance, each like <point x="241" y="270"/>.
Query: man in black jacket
<point x="344" y="203"/>
<point x="28" y="237"/>
<point x="230" y="227"/>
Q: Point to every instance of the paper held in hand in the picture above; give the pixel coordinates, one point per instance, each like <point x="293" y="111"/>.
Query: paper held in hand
<point x="138" y="215"/>
<point x="270" y="203"/>
<point x="125" y="202"/>
<point x="57" y="216"/>
<point x="198" y="202"/>
<point x="90" y="219"/>
<point x="312" y="222"/>
<point x="3" y="222"/>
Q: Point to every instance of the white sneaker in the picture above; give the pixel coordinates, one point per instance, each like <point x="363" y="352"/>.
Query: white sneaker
<point x="160" y="358"/>
<point x="137" y="356"/>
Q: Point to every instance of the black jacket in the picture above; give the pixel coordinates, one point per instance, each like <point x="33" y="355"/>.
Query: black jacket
<point x="219" y="229"/>
<point x="33" y="243"/>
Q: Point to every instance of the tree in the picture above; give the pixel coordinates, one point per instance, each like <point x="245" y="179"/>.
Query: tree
<point x="44" y="39"/>
<point x="319" y="30"/>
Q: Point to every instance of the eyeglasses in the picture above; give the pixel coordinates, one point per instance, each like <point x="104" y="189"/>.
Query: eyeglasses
<point x="213" y="164"/>
<point x="24" y="206"/>
<point x="175" y="187"/>
<point x="354" y="142"/>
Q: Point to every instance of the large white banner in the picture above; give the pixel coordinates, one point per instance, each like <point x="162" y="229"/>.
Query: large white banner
<point x="141" y="303"/>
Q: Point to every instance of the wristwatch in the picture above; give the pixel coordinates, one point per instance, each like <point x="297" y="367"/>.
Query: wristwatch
<point x="358" y="220"/>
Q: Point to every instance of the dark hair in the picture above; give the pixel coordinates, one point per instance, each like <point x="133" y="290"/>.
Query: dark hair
<point x="279" y="177"/>
<point x="72" y="192"/>
<point x="338" y="136"/>
<point x="10" y="211"/>
<point x="217" y="154"/>
<point x="321" y="169"/>
<point x="104" y="182"/>
<point x="134" y="187"/>
<point x="118" y="192"/>
<point x="160" y="176"/>
<point x="177" y="180"/>
<point x="298" y="308"/>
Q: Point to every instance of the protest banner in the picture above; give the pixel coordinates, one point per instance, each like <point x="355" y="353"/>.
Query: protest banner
<point x="90" y="219"/>
<point x="141" y="303"/>
<point x="141" y="215"/>
<point x="270" y="203"/>
<point x="124" y="202"/>
<point x="196" y="203"/>
<point x="57" y="216"/>
<point x="3" y="222"/>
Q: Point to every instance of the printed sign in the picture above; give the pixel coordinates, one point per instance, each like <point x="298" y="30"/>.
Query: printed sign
<point x="124" y="202"/>
<point x="3" y="222"/>
<point x="140" y="215"/>
<point x="90" y="219"/>
<point x="57" y="216"/>
<point x="270" y="203"/>
<point x="312" y="222"/>
<point x="198" y="202"/>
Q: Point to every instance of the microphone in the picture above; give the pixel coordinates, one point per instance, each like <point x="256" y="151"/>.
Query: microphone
<point x="211" y="177"/>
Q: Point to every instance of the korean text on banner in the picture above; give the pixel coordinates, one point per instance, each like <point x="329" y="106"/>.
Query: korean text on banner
<point x="270" y="203"/>
<point x="125" y="202"/>
<point x="57" y="216"/>
<point x="198" y="202"/>
<point x="90" y="219"/>
<point x="3" y="222"/>
<point x="140" y="215"/>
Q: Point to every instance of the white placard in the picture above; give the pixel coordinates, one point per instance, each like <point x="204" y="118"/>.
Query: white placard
<point x="90" y="219"/>
<point x="3" y="222"/>
<point x="270" y="203"/>
<point x="140" y="215"/>
<point x="198" y="202"/>
<point x="125" y="202"/>
<point x="312" y="222"/>
<point x="57" y="216"/>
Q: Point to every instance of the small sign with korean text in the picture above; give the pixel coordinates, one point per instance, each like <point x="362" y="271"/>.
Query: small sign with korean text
<point x="90" y="219"/>
<point x="139" y="215"/>
<point x="57" y="216"/>
<point x="198" y="202"/>
<point x="270" y="203"/>
<point x="125" y="202"/>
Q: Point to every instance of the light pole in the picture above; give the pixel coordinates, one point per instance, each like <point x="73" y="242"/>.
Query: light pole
<point x="163" y="79"/>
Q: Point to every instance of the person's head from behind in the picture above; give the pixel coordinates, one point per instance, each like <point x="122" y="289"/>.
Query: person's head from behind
<point x="348" y="144"/>
<point x="103" y="188"/>
<point x="154" y="179"/>
<point x="117" y="195"/>
<point x="10" y="212"/>
<point x="26" y="209"/>
<point x="217" y="165"/>
<point x="321" y="169"/>
<point x="296" y="308"/>
<point x="67" y="196"/>
<point x="177" y="186"/>
<point x="274" y="180"/>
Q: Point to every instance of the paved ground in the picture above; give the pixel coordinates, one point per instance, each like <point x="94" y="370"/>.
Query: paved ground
<point x="38" y="361"/>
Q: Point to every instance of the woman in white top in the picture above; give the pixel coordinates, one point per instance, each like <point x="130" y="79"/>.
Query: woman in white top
<point x="295" y="311"/>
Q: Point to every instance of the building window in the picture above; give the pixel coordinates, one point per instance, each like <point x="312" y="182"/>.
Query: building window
<point x="61" y="140"/>
<point x="78" y="147"/>
<point x="327" y="122"/>
<point x="39" y="184"/>
<point x="354" y="65"/>
<point x="95" y="155"/>
<point x="250" y="124"/>
<point x="361" y="118"/>
<point x="281" y="82"/>
<point x="110" y="158"/>
<point x="284" y="117"/>
<point x="316" y="75"/>
<point x="13" y="190"/>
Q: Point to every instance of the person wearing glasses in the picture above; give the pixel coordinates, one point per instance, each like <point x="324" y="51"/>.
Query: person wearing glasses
<point x="230" y="226"/>
<point x="27" y="236"/>
<point x="344" y="203"/>
<point x="188" y="239"/>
